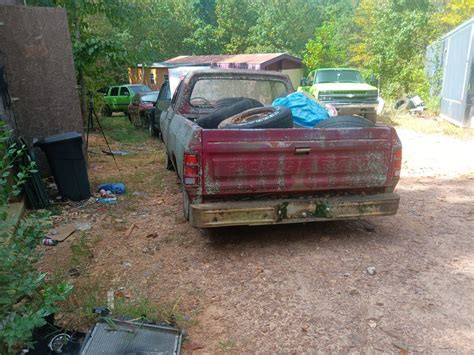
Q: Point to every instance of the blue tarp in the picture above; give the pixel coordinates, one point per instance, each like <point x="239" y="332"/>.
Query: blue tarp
<point x="114" y="187"/>
<point x="306" y="111"/>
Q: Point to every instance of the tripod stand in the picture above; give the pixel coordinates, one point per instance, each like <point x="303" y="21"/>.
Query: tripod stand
<point x="90" y="125"/>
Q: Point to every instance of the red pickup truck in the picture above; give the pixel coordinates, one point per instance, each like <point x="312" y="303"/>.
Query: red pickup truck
<point x="272" y="176"/>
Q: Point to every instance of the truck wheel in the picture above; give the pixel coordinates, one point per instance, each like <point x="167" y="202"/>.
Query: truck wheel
<point x="168" y="163"/>
<point x="213" y="119"/>
<point x="151" y="126"/>
<point x="345" y="122"/>
<point x="186" y="205"/>
<point x="260" y="117"/>
<point x="106" y="111"/>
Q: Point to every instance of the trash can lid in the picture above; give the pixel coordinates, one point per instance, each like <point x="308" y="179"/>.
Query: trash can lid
<point x="61" y="137"/>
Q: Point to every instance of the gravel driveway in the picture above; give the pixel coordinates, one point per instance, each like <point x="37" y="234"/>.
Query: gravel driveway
<point x="305" y="288"/>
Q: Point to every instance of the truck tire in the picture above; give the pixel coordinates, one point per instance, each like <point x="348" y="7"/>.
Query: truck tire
<point x="372" y="116"/>
<point x="168" y="163"/>
<point x="345" y="122"/>
<point x="213" y="119"/>
<point x="260" y="117"/>
<point x="401" y="104"/>
<point x="229" y="101"/>
<point x="151" y="126"/>
<point x="186" y="205"/>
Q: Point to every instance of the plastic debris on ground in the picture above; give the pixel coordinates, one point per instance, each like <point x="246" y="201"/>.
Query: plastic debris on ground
<point x="107" y="200"/>
<point x="305" y="110"/>
<point x="413" y="104"/>
<point x="115" y="152"/>
<point x="114" y="187"/>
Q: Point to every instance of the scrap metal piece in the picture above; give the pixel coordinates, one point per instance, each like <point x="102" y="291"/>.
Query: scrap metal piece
<point x="132" y="338"/>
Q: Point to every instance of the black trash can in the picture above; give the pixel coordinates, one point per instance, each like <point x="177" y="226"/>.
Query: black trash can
<point x="67" y="163"/>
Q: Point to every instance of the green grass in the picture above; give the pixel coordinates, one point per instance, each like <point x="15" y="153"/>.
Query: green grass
<point x="144" y="308"/>
<point x="425" y="124"/>
<point x="120" y="129"/>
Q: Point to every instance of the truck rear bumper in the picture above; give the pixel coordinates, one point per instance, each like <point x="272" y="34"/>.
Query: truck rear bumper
<point x="222" y="214"/>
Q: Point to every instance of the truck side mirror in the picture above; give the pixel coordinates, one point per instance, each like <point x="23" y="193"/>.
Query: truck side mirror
<point x="163" y="104"/>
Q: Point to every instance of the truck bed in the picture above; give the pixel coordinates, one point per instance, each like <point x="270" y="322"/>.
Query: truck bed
<point x="296" y="161"/>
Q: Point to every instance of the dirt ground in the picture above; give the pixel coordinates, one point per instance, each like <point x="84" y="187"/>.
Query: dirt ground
<point x="286" y="289"/>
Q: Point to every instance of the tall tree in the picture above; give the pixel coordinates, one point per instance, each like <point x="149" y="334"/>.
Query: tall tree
<point x="390" y="41"/>
<point x="332" y="38"/>
<point x="283" y="26"/>
<point x="234" y="20"/>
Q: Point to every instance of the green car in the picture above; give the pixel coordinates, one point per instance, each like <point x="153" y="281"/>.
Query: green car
<point x="345" y="89"/>
<point x="117" y="98"/>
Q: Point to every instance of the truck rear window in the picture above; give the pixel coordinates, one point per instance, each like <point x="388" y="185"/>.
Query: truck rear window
<point x="208" y="91"/>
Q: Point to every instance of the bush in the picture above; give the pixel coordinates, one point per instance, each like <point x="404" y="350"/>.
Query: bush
<point x="25" y="296"/>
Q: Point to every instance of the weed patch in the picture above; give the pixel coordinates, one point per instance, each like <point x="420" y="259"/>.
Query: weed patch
<point x="428" y="125"/>
<point x="120" y="129"/>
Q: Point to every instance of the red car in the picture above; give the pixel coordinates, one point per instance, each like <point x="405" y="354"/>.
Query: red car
<point x="142" y="108"/>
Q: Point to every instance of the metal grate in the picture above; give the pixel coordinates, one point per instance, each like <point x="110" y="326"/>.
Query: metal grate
<point x="120" y="337"/>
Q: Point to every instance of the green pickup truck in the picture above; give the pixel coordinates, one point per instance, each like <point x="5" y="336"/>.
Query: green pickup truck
<point x="117" y="98"/>
<point x="343" y="88"/>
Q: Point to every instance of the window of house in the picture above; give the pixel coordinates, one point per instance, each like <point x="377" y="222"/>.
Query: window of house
<point x="114" y="91"/>
<point x="167" y="78"/>
<point x="152" y="78"/>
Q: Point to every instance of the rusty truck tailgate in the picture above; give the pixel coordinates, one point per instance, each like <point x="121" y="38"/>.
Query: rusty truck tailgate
<point x="236" y="162"/>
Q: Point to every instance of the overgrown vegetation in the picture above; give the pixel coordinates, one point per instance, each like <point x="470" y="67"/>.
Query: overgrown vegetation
<point x="121" y="130"/>
<point x="428" y="125"/>
<point x="386" y="38"/>
<point x="25" y="296"/>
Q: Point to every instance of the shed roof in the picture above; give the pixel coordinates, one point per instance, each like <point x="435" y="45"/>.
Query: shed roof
<point x="467" y="23"/>
<point x="258" y="58"/>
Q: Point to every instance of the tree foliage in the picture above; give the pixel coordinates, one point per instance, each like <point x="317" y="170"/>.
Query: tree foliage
<point x="390" y="42"/>
<point x="386" y="38"/>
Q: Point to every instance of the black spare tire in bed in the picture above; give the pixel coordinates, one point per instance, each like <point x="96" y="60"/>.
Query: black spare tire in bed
<point x="260" y="117"/>
<point x="213" y="119"/>
<point x="345" y="122"/>
<point x="229" y="101"/>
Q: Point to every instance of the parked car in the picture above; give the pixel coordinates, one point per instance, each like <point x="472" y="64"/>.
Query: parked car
<point x="346" y="167"/>
<point x="142" y="108"/>
<point x="117" y="98"/>
<point x="345" y="89"/>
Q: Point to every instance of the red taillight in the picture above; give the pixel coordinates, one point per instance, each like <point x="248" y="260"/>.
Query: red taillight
<point x="191" y="169"/>
<point x="397" y="161"/>
<point x="190" y="159"/>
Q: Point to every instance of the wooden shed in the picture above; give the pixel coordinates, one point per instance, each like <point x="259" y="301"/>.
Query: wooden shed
<point x="155" y="74"/>
<point x="282" y="62"/>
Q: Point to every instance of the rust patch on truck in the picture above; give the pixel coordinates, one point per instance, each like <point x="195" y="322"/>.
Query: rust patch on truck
<point x="210" y="186"/>
<point x="293" y="211"/>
